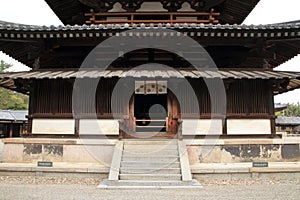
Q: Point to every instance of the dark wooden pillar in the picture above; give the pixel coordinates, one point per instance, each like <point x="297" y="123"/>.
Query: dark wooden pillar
<point x="273" y="128"/>
<point x="11" y="130"/>
<point x="32" y="106"/>
<point x="271" y="107"/>
<point x="169" y="113"/>
<point x="29" y="127"/>
<point x="77" y="120"/>
<point x="23" y="128"/>
<point x="174" y="114"/>
<point x="224" y="131"/>
<point x="129" y="125"/>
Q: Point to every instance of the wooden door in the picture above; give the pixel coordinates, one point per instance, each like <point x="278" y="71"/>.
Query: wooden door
<point x="173" y="114"/>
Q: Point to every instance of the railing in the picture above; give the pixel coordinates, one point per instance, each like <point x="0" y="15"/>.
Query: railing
<point x="151" y="17"/>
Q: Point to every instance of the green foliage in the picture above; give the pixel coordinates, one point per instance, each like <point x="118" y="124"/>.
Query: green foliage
<point x="293" y="110"/>
<point x="11" y="100"/>
<point x="4" y="66"/>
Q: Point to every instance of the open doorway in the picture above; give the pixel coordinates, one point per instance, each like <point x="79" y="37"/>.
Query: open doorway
<point x="151" y="112"/>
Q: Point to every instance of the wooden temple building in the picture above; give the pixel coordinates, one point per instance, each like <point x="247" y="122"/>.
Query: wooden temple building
<point x="244" y="55"/>
<point x="13" y="123"/>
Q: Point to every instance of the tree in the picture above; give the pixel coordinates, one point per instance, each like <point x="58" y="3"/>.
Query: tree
<point x="293" y="110"/>
<point x="4" y="66"/>
<point x="10" y="100"/>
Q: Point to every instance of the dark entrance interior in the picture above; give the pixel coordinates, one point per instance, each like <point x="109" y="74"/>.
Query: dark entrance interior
<point x="150" y="112"/>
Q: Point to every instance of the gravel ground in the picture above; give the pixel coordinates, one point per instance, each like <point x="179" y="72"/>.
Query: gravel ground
<point x="85" y="188"/>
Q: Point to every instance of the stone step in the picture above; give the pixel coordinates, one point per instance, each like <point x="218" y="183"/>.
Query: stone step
<point x="153" y="147"/>
<point x="153" y="154"/>
<point x="152" y="183"/>
<point x="153" y="130"/>
<point x="158" y="158"/>
<point x="175" y="177"/>
<point x="146" y="152"/>
<point x="135" y="170"/>
<point x="139" y="164"/>
<point x="150" y="142"/>
<point x="150" y="122"/>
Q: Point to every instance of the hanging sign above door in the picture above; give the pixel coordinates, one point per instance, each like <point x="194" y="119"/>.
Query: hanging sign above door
<point x="150" y="87"/>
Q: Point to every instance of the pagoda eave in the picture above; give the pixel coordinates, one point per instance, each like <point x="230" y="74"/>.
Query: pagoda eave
<point x="277" y="43"/>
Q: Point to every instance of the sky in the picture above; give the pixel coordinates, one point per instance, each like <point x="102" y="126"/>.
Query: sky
<point x="37" y="12"/>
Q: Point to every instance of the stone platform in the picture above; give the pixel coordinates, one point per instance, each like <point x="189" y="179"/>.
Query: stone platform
<point x="98" y="170"/>
<point x="226" y="158"/>
<point x="31" y="150"/>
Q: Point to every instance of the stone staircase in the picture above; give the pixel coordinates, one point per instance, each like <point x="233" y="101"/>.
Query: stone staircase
<point x="150" y="164"/>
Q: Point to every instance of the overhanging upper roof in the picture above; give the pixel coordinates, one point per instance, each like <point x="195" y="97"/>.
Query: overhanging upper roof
<point x="279" y="42"/>
<point x="20" y="81"/>
<point x="72" y="11"/>
<point x="180" y="73"/>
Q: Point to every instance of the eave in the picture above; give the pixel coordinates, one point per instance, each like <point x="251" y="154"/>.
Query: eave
<point x="21" y="81"/>
<point x="26" y="43"/>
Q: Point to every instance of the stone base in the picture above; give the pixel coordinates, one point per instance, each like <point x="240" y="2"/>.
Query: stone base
<point x="32" y="150"/>
<point x="243" y="150"/>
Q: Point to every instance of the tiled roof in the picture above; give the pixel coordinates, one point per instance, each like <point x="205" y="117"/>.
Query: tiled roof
<point x="13" y="115"/>
<point x="97" y="73"/>
<point x="21" y="27"/>
<point x="287" y="120"/>
<point x="280" y="107"/>
<point x="7" y="80"/>
<point x="280" y="42"/>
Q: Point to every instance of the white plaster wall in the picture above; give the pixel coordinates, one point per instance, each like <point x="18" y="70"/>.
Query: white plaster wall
<point x="53" y="126"/>
<point x="186" y="8"/>
<point x="98" y="127"/>
<point x="201" y="127"/>
<point x="151" y="7"/>
<point x="145" y="7"/>
<point x="248" y="126"/>
<point x="117" y="8"/>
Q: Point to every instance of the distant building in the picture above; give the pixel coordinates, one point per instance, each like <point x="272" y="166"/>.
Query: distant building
<point x="280" y="106"/>
<point x="13" y="123"/>
<point x="290" y="125"/>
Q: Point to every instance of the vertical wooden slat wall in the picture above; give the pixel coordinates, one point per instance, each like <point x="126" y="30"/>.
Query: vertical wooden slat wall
<point x="248" y="97"/>
<point x="244" y="98"/>
<point x="54" y="98"/>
